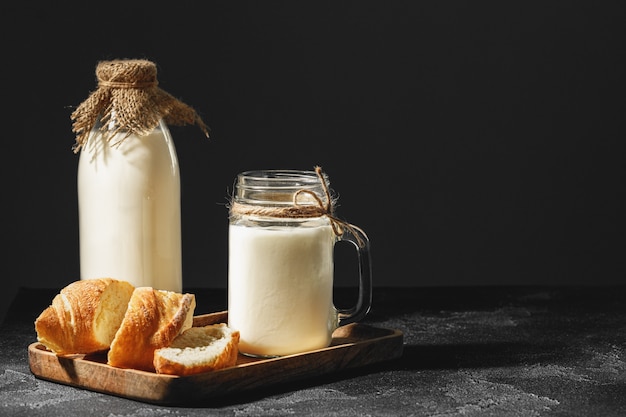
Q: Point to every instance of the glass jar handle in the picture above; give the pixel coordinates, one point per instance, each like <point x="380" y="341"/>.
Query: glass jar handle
<point x="361" y="242"/>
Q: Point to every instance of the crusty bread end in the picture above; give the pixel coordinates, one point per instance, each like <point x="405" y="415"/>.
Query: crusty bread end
<point x="199" y="349"/>
<point x="84" y="316"/>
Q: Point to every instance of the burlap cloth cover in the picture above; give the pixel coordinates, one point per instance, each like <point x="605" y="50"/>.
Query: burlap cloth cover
<point x="128" y="91"/>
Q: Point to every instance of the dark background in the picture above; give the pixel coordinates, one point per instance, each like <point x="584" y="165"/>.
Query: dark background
<point x="477" y="143"/>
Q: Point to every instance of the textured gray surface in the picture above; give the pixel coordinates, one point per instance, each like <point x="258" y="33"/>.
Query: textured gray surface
<point x="517" y="351"/>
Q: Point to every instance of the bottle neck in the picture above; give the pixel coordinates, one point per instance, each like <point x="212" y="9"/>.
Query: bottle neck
<point x="112" y="124"/>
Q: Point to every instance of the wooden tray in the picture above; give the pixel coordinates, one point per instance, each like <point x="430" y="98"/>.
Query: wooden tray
<point x="354" y="345"/>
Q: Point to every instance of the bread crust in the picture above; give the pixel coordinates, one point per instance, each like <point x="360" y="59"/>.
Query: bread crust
<point x="153" y="320"/>
<point x="72" y="323"/>
<point x="199" y="349"/>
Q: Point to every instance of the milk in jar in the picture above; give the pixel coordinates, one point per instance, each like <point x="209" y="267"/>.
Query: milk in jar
<point x="280" y="311"/>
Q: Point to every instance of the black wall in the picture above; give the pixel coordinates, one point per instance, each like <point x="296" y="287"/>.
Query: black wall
<point x="476" y="142"/>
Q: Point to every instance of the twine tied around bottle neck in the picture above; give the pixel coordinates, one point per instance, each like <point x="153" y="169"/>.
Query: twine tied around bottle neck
<point x="300" y="211"/>
<point x="134" y="84"/>
<point x="128" y="95"/>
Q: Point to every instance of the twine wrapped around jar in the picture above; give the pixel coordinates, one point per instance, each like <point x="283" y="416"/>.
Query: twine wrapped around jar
<point x="300" y="211"/>
<point x="128" y="95"/>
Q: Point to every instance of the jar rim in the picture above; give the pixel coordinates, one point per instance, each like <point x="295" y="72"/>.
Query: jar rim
<point x="278" y="178"/>
<point x="277" y="174"/>
<point x="276" y="186"/>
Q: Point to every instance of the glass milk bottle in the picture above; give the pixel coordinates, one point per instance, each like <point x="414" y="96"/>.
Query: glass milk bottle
<point x="280" y="270"/>
<point x="129" y="209"/>
<point x="129" y="201"/>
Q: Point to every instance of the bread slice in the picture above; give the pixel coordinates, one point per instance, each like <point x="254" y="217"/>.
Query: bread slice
<point x="153" y="319"/>
<point x="199" y="349"/>
<point x="84" y="316"/>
